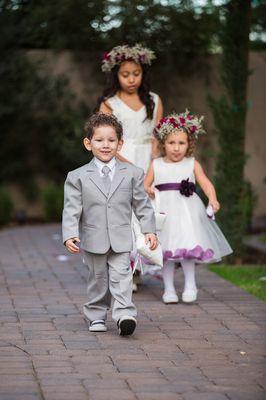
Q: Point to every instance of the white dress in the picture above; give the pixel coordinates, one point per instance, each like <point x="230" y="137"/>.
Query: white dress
<point x="137" y="130"/>
<point x="188" y="233"/>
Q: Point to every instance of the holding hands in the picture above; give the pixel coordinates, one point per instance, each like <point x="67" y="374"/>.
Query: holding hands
<point x="150" y="191"/>
<point x="73" y="248"/>
<point x="152" y="238"/>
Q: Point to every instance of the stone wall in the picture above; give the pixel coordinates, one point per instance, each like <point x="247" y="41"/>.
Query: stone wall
<point x="179" y="93"/>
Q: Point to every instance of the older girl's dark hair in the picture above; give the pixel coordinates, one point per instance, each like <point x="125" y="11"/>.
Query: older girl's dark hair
<point x="101" y="119"/>
<point x="113" y="86"/>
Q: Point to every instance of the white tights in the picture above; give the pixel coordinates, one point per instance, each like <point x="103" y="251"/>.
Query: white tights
<point x="189" y="274"/>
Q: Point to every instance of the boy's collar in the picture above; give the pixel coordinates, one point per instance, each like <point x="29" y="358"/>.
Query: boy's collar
<point x="93" y="167"/>
<point x="100" y="164"/>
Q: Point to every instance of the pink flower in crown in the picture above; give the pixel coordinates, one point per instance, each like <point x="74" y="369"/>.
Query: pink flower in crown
<point x="118" y="54"/>
<point x="106" y="56"/>
<point x="119" y="57"/>
<point x="174" y="123"/>
<point x="190" y="122"/>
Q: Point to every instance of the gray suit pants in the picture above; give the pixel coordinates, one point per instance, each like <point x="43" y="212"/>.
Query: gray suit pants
<point x="110" y="275"/>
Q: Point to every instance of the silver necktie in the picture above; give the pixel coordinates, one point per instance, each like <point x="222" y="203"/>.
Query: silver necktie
<point x="106" y="178"/>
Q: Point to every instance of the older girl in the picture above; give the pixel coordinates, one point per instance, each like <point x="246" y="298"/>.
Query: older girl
<point x="127" y="95"/>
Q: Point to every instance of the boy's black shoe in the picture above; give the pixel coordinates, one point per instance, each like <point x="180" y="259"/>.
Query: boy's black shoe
<point x="126" y="325"/>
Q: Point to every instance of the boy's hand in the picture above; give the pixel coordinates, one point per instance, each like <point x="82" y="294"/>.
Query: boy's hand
<point x="152" y="238"/>
<point x="215" y="205"/>
<point x="71" y="246"/>
<point x="151" y="192"/>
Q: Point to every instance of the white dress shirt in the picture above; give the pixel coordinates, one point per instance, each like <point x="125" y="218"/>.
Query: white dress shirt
<point x="111" y="164"/>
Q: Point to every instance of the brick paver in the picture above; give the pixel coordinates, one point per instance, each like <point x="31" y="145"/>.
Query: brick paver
<point x="212" y="350"/>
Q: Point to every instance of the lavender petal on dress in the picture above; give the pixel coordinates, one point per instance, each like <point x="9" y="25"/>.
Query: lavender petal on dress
<point x="197" y="253"/>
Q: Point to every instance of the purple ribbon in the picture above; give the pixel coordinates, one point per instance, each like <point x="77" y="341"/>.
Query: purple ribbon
<point x="185" y="187"/>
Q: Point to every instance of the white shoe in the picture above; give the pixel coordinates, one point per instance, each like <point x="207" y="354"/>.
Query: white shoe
<point x="189" y="295"/>
<point x="134" y="288"/>
<point x="170" y="298"/>
<point x="98" y="326"/>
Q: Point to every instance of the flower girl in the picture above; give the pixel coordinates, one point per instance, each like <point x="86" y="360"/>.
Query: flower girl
<point x="189" y="235"/>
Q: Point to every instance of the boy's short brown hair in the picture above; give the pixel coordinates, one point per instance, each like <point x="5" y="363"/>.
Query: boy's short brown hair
<point x="101" y="119"/>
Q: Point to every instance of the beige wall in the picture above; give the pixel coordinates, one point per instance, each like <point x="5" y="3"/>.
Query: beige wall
<point x="255" y="169"/>
<point x="180" y="93"/>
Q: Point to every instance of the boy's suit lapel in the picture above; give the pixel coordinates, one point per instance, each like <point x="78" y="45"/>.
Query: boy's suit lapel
<point x="95" y="177"/>
<point x="120" y="170"/>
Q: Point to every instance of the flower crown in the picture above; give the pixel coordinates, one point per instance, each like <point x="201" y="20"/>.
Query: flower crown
<point x="118" y="54"/>
<point x="191" y="123"/>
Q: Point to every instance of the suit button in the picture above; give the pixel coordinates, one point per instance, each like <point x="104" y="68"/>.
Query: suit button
<point x="109" y="206"/>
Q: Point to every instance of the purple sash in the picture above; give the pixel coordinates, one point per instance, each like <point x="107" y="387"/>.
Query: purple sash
<point x="185" y="187"/>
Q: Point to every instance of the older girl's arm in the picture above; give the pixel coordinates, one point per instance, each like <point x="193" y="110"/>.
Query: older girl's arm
<point x="105" y="108"/>
<point x="148" y="181"/>
<point x="159" y="114"/>
<point x="155" y="147"/>
<point x="121" y="158"/>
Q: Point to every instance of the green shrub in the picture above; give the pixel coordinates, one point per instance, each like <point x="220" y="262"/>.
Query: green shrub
<point x="229" y="113"/>
<point x="248" y="203"/>
<point x="6" y="207"/>
<point x="52" y="202"/>
<point x="263" y="238"/>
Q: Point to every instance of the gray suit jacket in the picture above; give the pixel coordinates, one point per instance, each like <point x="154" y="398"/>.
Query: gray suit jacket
<point x="103" y="221"/>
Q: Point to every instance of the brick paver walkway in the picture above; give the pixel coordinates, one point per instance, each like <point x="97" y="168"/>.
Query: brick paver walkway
<point x="212" y="350"/>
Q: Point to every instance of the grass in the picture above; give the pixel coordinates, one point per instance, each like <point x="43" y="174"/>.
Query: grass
<point x="263" y="238"/>
<point x="248" y="277"/>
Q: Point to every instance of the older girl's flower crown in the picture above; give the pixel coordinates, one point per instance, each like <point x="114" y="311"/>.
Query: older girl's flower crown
<point x="118" y="54"/>
<point x="191" y="123"/>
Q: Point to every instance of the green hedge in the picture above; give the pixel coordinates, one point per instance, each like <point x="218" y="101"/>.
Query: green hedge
<point x="52" y="202"/>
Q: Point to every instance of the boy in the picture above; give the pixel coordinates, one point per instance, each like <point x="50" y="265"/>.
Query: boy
<point x="99" y="199"/>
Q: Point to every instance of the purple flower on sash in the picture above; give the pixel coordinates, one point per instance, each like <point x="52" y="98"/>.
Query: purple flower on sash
<point x="187" y="188"/>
